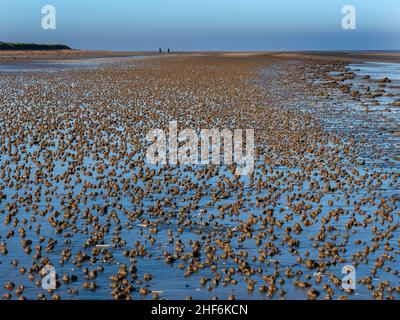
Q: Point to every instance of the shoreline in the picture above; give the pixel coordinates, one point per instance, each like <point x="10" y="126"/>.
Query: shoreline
<point x="117" y="227"/>
<point x="8" y="56"/>
<point x="28" y="55"/>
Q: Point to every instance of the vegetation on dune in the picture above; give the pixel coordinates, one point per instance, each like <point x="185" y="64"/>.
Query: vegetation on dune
<point x="32" y="46"/>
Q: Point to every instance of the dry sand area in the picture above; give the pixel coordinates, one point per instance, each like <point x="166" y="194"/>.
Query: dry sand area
<point x="76" y="191"/>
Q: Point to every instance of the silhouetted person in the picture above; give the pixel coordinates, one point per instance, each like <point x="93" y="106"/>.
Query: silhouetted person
<point x="160" y="50"/>
<point x="168" y="50"/>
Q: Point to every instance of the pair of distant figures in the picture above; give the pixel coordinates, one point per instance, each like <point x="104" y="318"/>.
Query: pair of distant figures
<point x="160" y="50"/>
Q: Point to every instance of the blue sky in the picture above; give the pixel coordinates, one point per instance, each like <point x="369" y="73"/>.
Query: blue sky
<point x="205" y="24"/>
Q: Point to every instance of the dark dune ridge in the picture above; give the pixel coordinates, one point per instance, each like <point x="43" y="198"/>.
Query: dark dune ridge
<point x="32" y="46"/>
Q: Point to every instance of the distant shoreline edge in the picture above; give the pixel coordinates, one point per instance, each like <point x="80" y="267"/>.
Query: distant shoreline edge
<point x="32" y="46"/>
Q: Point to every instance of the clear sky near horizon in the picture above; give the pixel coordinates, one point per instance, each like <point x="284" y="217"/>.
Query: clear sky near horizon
<point x="228" y="25"/>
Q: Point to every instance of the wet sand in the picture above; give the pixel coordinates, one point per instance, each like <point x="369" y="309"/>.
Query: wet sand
<point x="29" y="55"/>
<point x="359" y="56"/>
<point x="77" y="193"/>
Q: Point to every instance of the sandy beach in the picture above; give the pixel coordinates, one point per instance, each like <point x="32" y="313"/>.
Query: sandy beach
<point x="28" y="55"/>
<point x="77" y="193"/>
